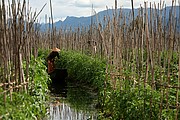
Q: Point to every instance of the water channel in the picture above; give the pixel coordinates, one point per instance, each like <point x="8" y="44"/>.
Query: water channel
<point x="72" y="101"/>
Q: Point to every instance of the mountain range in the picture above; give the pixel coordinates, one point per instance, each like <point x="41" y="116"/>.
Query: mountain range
<point x="75" y="22"/>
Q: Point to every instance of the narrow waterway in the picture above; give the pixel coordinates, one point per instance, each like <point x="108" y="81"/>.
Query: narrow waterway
<point x="73" y="102"/>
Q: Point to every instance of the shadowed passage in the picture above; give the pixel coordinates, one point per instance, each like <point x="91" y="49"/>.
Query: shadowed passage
<point x="57" y="75"/>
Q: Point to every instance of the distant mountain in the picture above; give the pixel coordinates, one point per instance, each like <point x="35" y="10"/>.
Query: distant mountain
<point x="75" y="22"/>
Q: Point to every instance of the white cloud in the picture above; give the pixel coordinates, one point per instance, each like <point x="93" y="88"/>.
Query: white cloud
<point x="82" y="3"/>
<point x="64" y="8"/>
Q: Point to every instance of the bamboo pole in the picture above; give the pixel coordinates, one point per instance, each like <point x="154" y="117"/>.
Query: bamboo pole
<point x="147" y="49"/>
<point x="52" y="24"/>
<point x="177" y="93"/>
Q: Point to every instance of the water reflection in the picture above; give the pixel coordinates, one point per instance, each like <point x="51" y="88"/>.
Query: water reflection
<point x="63" y="111"/>
<point x="82" y="97"/>
<point x="76" y="103"/>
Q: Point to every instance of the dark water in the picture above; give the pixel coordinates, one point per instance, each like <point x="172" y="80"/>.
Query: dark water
<point x="72" y="101"/>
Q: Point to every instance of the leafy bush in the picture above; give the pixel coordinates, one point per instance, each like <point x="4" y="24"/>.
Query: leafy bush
<point x="33" y="104"/>
<point x="134" y="101"/>
<point x="82" y="68"/>
<point x="133" y="104"/>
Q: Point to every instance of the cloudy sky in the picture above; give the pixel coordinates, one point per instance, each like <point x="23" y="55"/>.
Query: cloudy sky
<point x="78" y="8"/>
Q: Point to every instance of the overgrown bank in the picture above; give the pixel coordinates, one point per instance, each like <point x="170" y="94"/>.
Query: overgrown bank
<point x="140" y="94"/>
<point x="33" y="103"/>
<point x="134" y="97"/>
<point x="83" y="69"/>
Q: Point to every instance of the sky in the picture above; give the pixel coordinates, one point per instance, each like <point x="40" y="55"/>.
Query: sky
<point x="79" y="8"/>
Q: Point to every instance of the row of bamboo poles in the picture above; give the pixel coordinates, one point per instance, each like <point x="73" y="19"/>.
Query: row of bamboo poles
<point x="18" y="42"/>
<point x="133" y="42"/>
<point x="121" y="38"/>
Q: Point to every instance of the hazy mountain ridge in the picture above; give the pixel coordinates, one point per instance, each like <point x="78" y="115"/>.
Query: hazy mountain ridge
<point x="75" y="22"/>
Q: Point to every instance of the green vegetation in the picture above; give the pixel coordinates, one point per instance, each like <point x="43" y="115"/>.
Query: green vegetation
<point x="133" y="99"/>
<point x="132" y="104"/>
<point x="30" y="105"/>
<point x="83" y="69"/>
<point x="140" y="79"/>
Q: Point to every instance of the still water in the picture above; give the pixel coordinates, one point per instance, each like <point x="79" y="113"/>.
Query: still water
<point x="73" y="102"/>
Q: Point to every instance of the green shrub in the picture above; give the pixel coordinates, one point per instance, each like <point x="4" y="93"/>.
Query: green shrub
<point x="134" y="101"/>
<point x="134" y="104"/>
<point x="82" y="68"/>
<point x="30" y="105"/>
